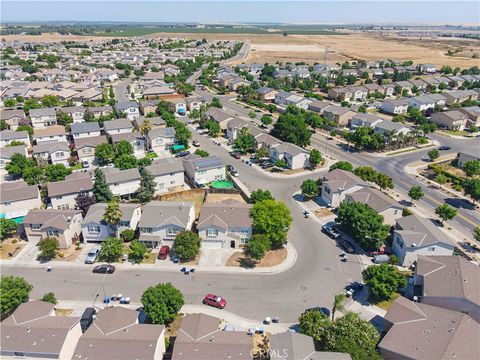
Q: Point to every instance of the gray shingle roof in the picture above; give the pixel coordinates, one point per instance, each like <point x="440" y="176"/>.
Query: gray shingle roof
<point x="158" y="213"/>
<point x="420" y="232"/>
<point x="117" y="124"/>
<point x="114" y="175"/>
<point x="165" y="166"/>
<point x="96" y="211"/>
<point x="85" y="127"/>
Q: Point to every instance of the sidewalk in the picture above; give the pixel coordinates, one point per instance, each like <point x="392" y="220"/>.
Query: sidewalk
<point x="28" y="258"/>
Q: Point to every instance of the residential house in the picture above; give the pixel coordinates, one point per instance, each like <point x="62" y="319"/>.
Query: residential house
<point x="98" y="111"/>
<point x="85" y="130"/>
<point x="338" y="114"/>
<point x="136" y="139"/>
<point x="318" y="106"/>
<point x="237" y="82"/>
<point x="415" y="235"/>
<point x="62" y="194"/>
<point x="168" y="173"/>
<point x="340" y="93"/>
<point x="359" y="92"/>
<point x="33" y="331"/>
<point x="51" y="133"/>
<point x="6" y="154"/>
<point x="218" y="115"/>
<point x="468" y="155"/>
<point x="12" y="117"/>
<point x="422" y="103"/>
<point x="116" y="333"/>
<point x="388" y="127"/>
<point x="295" y="156"/>
<point x="117" y="126"/>
<point x="428" y="68"/>
<point x="264" y="140"/>
<point x="122" y="182"/>
<point x="459" y="96"/>
<point x="473" y="115"/>
<point x="395" y="107"/>
<point x="406" y="86"/>
<point x="388" y="90"/>
<point x="155" y="122"/>
<point x="200" y="338"/>
<point x="161" y="221"/>
<point x="148" y="106"/>
<point x="225" y="225"/>
<point x="86" y="148"/>
<point x="383" y="204"/>
<point x="234" y="126"/>
<point x="43" y="117"/>
<point x="281" y="97"/>
<point x="449" y="282"/>
<point x="9" y="136"/>
<point x="96" y="229"/>
<point x="194" y="103"/>
<point x="337" y="184"/>
<point x="266" y="94"/>
<point x="417" y="331"/>
<point x="76" y="112"/>
<point x="131" y="108"/>
<point x="160" y="140"/>
<point x="451" y="120"/>
<point x="106" y="75"/>
<point x="17" y="199"/>
<point x="298" y="101"/>
<point x="64" y="225"/>
<point x="52" y="152"/>
<point x="364" y="120"/>
<point x="202" y="171"/>
<point x="159" y="92"/>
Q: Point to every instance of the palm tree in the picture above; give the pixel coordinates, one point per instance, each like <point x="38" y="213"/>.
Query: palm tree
<point x="145" y="127"/>
<point x="113" y="214"/>
<point x="337" y="304"/>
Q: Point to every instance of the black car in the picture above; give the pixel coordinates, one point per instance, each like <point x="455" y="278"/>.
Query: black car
<point x="330" y="230"/>
<point x="104" y="269"/>
<point x="444" y="147"/>
<point x="87" y="318"/>
<point x="345" y="245"/>
<point x="230" y="167"/>
<point x="182" y="153"/>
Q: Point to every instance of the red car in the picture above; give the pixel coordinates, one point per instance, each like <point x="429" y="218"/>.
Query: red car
<point x="215" y="301"/>
<point x="236" y="155"/>
<point x="163" y="253"/>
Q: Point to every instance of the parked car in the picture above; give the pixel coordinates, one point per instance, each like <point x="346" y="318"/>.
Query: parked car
<point x="195" y="143"/>
<point x="234" y="173"/>
<point x="85" y="164"/>
<point x="163" y="253"/>
<point x="381" y="259"/>
<point x="330" y="230"/>
<point x="215" y="301"/>
<point x="182" y="153"/>
<point x="92" y="255"/>
<point x="104" y="269"/>
<point x="230" y="167"/>
<point x="235" y="155"/>
<point x="444" y="147"/>
<point x="345" y="245"/>
<point x="353" y="289"/>
<point x="87" y="318"/>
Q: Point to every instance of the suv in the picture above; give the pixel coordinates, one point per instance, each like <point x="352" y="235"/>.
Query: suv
<point x="345" y="245"/>
<point x="92" y="256"/>
<point x="215" y="301"/>
<point x="330" y="230"/>
<point x="163" y="253"/>
<point x="87" y="318"/>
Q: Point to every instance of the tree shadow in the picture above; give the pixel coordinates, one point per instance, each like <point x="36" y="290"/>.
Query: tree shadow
<point x="460" y="203"/>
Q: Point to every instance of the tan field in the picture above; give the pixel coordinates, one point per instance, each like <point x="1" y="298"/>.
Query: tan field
<point x="310" y="48"/>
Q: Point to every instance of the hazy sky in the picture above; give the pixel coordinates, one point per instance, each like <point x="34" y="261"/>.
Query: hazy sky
<point x="386" y="11"/>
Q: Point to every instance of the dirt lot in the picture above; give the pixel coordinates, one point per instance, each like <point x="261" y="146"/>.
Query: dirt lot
<point x="218" y="198"/>
<point x="9" y="248"/>
<point x="70" y="254"/>
<point x="271" y="258"/>
<point x="194" y="196"/>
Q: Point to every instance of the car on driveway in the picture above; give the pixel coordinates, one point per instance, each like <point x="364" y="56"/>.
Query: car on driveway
<point x="182" y="153"/>
<point x="215" y="301"/>
<point x="92" y="255"/>
<point x="234" y="173"/>
<point x="353" y="289"/>
<point x="163" y="253"/>
<point x="331" y="230"/>
<point x="444" y="147"/>
<point x="195" y="143"/>
<point x="104" y="269"/>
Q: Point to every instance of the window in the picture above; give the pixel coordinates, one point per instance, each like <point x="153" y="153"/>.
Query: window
<point x="399" y="242"/>
<point x="87" y="150"/>
<point x="172" y="182"/>
<point x="146" y="230"/>
<point x="172" y="231"/>
<point x="395" y="212"/>
<point x="212" y="232"/>
<point x="124" y="223"/>
<point x="35" y="226"/>
<point x="51" y="232"/>
<point x="202" y="171"/>
<point x="161" y="186"/>
<point x="159" y="141"/>
<point x="93" y="229"/>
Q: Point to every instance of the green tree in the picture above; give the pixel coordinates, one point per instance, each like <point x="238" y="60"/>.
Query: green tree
<point x="213" y="128"/>
<point x="353" y="336"/>
<point x="124" y="162"/>
<point x="280" y="163"/>
<point x="113" y="214"/>
<point x="441" y="178"/>
<point x="216" y="103"/>
<point x="272" y="219"/>
<point x="105" y="153"/>
<point x="309" y="188"/>
<point x="415" y="193"/>
<point x="50" y="298"/>
<point x="56" y="172"/>
<point x="186" y="245"/>
<point x="258" y="246"/>
<point x="445" y="212"/>
<point x="64" y="118"/>
<point x="162" y="303"/>
<point x="433" y="154"/>
<point x="252" y="114"/>
<point x="145" y="127"/>
<point x="13" y="292"/>
<point x="244" y="141"/>
<point x="315" y="324"/>
<point x="127" y="235"/>
<point x="111" y="250"/>
<point x="9" y="103"/>
<point x="26" y="128"/>
<point x="337" y="304"/>
<point x="266" y="120"/>
<point x="48" y="248"/>
<point x="50" y="101"/>
<point x="146" y="191"/>
<point x="472" y="168"/>
<point x="315" y="158"/>
<point x="100" y="189"/>
<point x="137" y="251"/>
<point x="343" y="165"/>
<point x="8" y="227"/>
<point x="363" y="223"/>
<point x="123" y="147"/>
<point x="382" y="281"/>
<point x="471" y="187"/>
<point x="261" y="153"/>
<point x="292" y="128"/>
<point x="201" y="153"/>
<point x="476" y="233"/>
<point x="18" y="164"/>
<point x="260" y="195"/>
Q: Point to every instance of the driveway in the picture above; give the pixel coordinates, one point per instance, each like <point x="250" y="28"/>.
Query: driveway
<point x="215" y="257"/>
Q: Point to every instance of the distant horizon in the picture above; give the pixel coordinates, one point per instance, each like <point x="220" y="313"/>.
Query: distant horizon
<point x="393" y="13"/>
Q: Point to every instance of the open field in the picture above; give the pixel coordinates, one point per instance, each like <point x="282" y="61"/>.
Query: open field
<point x="273" y="47"/>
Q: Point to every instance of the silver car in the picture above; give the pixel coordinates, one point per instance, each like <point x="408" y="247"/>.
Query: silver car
<point x="92" y="256"/>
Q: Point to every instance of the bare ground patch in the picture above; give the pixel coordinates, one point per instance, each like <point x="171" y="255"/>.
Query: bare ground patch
<point x="271" y="258"/>
<point x="10" y="248"/>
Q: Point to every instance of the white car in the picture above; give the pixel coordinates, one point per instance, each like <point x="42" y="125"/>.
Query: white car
<point x="92" y="255"/>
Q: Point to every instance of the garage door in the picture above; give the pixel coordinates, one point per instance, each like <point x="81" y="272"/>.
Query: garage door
<point x="212" y="244"/>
